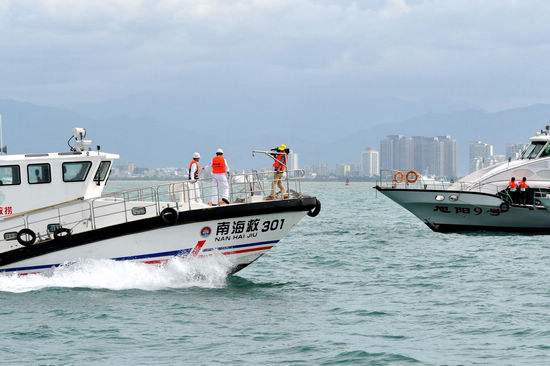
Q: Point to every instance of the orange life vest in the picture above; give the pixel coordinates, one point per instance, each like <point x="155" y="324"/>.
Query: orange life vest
<point x="218" y="164"/>
<point x="281" y="161"/>
<point x="513" y="185"/>
<point x="196" y="175"/>
<point x="522" y="185"/>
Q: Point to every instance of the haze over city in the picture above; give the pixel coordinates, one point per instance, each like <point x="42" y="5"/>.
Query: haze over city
<point x="156" y="81"/>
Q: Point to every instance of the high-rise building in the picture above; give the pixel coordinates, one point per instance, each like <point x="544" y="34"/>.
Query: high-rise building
<point x="293" y="160"/>
<point x="480" y="155"/>
<point x="388" y="147"/>
<point x="448" y="156"/>
<point x="369" y="162"/>
<point x="513" y="151"/>
<point x="343" y="170"/>
<point x="427" y="155"/>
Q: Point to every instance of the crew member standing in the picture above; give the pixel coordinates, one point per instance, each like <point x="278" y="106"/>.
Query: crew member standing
<point x="513" y="186"/>
<point x="279" y="165"/>
<point x="220" y="173"/>
<point x="523" y="190"/>
<point x="194" y="176"/>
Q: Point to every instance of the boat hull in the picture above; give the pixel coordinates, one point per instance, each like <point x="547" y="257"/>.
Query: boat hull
<point x="469" y="211"/>
<point x="241" y="233"/>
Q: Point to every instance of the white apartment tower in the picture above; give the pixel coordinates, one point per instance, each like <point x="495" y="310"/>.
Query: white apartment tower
<point x="293" y="160"/>
<point x="480" y="155"/>
<point x="369" y="162"/>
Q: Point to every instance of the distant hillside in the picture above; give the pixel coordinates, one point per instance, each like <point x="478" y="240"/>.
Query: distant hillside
<point x="498" y="129"/>
<point x="152" y="136"/>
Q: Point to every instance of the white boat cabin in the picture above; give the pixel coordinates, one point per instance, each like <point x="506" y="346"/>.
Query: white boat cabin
<point x="32" y="181"/>
<point x="533" y="163"/>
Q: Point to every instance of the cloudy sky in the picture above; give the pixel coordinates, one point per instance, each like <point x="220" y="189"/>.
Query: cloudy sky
<point x="492" y="54"/>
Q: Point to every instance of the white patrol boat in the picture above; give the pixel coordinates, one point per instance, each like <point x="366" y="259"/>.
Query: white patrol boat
<point x="481" y="200"/>
<point x="52" y="213"/>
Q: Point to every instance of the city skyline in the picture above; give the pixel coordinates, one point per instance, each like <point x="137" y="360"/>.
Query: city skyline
<point x="421" y="151"/>
<point x="427" y="155"/>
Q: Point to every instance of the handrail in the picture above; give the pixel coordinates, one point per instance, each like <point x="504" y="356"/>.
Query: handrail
<point x="41" y="208"/>
<point x="79" y="214"/>
<point x="386" y="181"/>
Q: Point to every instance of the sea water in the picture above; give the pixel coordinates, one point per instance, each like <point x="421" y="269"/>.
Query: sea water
<point x="363" y="283"/>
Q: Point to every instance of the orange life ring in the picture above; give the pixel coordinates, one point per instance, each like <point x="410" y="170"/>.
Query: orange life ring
<point x="399" y="174"/>
<point x="415" y="176"/>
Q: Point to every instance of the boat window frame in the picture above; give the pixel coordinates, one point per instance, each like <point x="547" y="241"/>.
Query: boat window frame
<point x="532" y="150"/>
<point x="18" y="175"/>
<point x="39" y="164"/>
<point x="544" y="150"/>
<point x="76" y="162"/>
<point x="106" y="171"/>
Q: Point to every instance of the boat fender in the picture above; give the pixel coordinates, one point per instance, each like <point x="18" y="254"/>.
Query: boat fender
<point x="315" y="210"/>
<point x="30" y="237"/>
<point x="504" y="207"/>
<point x="61" y="233"/>
<point x="398" y="176"/>
<point x="169" y="215"/>
<point x="412" y="180"/>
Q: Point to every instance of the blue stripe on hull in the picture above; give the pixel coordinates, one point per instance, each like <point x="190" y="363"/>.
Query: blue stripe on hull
<point x="173" y="253"/>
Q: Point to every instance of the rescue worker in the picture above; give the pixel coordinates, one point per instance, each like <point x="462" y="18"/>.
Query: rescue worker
<point x="513" y="187"/>
<point x="220" y="173"/>
<point x="523" y="191"/>
<point x="279" y="165"/>
<point x="194" y="176"/>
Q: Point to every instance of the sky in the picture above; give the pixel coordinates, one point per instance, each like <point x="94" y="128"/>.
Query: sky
<point x="492" y="54"/>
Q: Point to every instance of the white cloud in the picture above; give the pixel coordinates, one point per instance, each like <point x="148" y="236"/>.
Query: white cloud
<point x="51" y="48"/>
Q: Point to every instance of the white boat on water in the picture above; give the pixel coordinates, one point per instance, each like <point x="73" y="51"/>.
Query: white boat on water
<point x="53" y="212"/>
<point x="481" y="200"/>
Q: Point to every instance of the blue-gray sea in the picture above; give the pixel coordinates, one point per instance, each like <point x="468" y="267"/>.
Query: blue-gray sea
<point x="363" y="283"/>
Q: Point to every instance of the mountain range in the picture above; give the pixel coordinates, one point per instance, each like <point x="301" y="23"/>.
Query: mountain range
<point x="164" y="131"/>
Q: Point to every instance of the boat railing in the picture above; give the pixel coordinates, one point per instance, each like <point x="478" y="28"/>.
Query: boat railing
<point x="392" y="179"/>
<point x="80" y="215"/>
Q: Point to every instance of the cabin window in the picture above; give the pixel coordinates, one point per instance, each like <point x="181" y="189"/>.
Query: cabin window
<point x="10" y="175"/>
<point x="76" y="172"/>
<point x="533" y="150"/>
<point x="39" y="173"/>
<point x="102" y="171"/>
<point x="545" y="151"/>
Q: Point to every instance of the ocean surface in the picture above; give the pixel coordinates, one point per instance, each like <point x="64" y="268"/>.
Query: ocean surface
<point x="363" y="283"/>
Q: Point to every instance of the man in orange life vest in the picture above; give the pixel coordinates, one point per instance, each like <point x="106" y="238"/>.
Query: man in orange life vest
<point x="513" y="186"/>
<point x="280" y="166"/>
<point x="194" y="176"/>
<point x="523" y="190"/>
<point x="220" y="173"/>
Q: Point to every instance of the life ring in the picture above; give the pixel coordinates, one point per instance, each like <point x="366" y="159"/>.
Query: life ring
<point x="28" y="234"/>
<point x="315" y="210"/>
<point x="399" y="174"/>
<point x="169" y="215"/>
<point x="504" y="207"/>
<point x="61" y="233"/>
<point x="415" y="176"/>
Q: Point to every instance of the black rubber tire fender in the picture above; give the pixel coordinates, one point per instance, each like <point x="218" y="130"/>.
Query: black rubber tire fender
<point x="61" y="233"/>
<point x="169" y="215"/>
<point x="504" y="207"/>
<point x="30" y="240"/>
<point x="315" y="210"/>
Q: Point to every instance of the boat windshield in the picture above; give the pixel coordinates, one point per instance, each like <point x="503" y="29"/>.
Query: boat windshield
<point x="533" y="150"/>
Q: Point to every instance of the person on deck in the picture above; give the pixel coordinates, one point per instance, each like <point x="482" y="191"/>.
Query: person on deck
<point x="523" y="191"/>
<point x="194" y="176"/>
<point x="513" y="187"/>
<point x="220" y="173"/>
<point x="279" y="165"/>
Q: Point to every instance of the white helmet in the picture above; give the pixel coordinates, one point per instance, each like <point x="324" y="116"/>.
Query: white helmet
<point x="196" y="155"/>
<point x="220" y="151"/>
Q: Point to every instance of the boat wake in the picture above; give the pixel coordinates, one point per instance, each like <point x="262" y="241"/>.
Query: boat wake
<point x="209" y="272"/>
